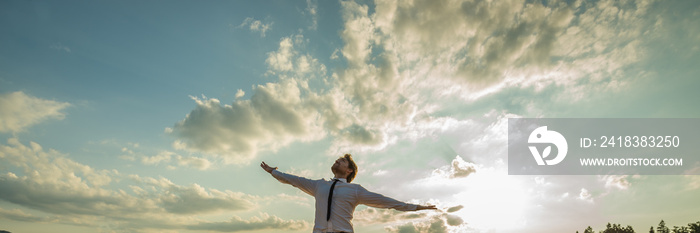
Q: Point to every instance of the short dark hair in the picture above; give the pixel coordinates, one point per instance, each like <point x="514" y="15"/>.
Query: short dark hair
<point x="352" y="166"/>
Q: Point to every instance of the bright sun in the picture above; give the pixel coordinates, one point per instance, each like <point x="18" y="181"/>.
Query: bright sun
<point x="493" y="200"/>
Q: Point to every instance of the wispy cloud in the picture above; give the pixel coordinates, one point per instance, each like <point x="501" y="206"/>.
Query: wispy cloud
<point x="620" y="182"/>
<point x="73" y="193"/>
<point x="19" y="215"/>
<point x="264" y="222"/>
<point x="312" y="10"/>
<point x="194" y="162"/>
<point x="170" y="159"/>
<point x="406" y="61"/>
<point x="255" y="25"/>
<point x="293" y="110"/>
<point x="60" y="47"/>
<point x="19" y="111"/>
<point x="193" y="199"/>
<point x="438" y="224"/>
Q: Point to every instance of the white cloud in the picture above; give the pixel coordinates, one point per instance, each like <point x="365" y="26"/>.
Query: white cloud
<point x="73" y="193"/>
<point x="458" y="169"/>
<point x="406" y="62"/>
<point x="273" y="117"/>
<point x="19" y="111"/>
<point x="616" y="181"/>
<point x="264" y="222"/>
<point x="693" y="181"/>
<point x="281" y="60"/>
<point x="195" y="162"/>
<point x="358" y="33"/>
<point x="461" y="168"/>
<point x="438" y="224"/>
<point x="163" y="156"/>
<point x="195" y="199"/>
<point x="59" y="46"/>
<point x="420" y="221"/>
<point x="312" y="9"/>
<point x="256" y="26"/>
<point x="171" y="159"/>
<point x="290" y="61"/>
<point x="370" y="216"/>
<point x="408" y="59"/>
<point x="240" y="93"/>
<point x="19" y="215"/>
<point x="476" y="48"/>
<point x="55" y="184"/>
<point x="585" y="195"/>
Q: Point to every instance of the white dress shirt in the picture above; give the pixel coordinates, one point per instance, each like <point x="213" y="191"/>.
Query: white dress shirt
<point x="346" y="197"/>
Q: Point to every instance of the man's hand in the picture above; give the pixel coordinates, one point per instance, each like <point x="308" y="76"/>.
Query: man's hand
<point x="267" y="168"/>
<point x="426" y="207"/>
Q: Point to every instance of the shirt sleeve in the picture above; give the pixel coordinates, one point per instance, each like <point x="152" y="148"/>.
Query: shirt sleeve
<point x="380" y="201"/>
<point x="306" y="185"/>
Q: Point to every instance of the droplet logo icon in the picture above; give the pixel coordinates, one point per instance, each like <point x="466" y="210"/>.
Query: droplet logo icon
<point x="542" y="135"/>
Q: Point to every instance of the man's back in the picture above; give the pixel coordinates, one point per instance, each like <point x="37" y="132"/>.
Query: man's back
<point x="346" y="197"/>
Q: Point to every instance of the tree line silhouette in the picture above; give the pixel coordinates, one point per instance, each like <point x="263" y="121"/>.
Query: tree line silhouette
<point x="661" y="228"/>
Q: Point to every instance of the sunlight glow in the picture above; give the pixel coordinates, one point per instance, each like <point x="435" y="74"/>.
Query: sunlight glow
<point x="493" y="201"/>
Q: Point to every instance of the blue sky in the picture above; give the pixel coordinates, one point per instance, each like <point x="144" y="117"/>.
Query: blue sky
<point x="153" y="116"/>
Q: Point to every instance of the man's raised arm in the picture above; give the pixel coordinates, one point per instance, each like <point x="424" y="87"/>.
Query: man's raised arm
<point x="306" y="185"/>
<point x="380" y="201"/>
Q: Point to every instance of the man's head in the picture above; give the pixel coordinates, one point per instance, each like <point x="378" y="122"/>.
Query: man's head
<point x="345" y="167"/>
